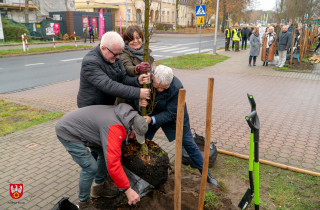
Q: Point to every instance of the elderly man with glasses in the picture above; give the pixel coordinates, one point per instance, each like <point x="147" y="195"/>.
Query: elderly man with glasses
<point x="103" y="76"/>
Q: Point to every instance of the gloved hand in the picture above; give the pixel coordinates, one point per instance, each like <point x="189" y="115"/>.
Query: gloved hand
<point x="142" y="67"/>
<point x="315" y="37"/>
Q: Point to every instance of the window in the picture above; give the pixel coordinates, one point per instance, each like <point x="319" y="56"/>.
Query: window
<point x="164" y="1"/>
<point x="139" y="16"/>
<point x="168" y="13"/>
<point x="168" y="1"/>
<point x="162" y="16"/>
<point x="2" y="1"/>
<point x="108" y="10"/>
<point x="129" y="14"/>
<point x="172" y="16"/>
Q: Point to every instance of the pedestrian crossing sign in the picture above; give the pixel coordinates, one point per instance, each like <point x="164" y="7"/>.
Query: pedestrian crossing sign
<point x="200" y="20"/>
<point x="200" y="10"/>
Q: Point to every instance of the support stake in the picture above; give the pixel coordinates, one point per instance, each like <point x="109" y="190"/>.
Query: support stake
<point x="178" y="154"/>
<point x="207" y="143"/>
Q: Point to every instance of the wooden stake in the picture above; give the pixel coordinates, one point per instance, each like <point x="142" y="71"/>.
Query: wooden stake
<point x="207" y="143"/>
<point x="300" y="51"/>
<point x="306" y="43"/>
<point x="292" y="45"/>
<point x="178" y="154"/>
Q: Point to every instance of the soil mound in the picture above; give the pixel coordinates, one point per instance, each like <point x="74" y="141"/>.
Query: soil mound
<point x="152" y="167"/>
<point x="163" y="197"/>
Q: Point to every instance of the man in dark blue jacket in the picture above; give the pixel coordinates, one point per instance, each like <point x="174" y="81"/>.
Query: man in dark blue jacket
<point x="165" y="112"/>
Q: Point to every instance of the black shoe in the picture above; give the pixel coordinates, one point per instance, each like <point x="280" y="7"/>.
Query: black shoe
<point x="249" y="64"/>
<point x="264" y="63"/>
<point x="212" y="180"/>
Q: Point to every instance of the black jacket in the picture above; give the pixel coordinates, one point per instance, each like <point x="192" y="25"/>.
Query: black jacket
<point x="165" y="111"/>
<point x="101" y="81"/>
<point x="297" y="33"/>
<point x="245" y="33"/>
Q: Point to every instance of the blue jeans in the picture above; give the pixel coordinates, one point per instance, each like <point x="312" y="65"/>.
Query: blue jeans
<point x="91" y="169"/>
<point x="85" y="39"/>
<point x="254" y="59"/>
<point x="188" y="143"/>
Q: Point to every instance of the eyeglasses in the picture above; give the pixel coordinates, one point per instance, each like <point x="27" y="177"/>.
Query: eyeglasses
<point x="115" y="55"/>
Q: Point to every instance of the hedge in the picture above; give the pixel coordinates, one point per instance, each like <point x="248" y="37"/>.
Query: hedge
<point x="13" y="32"/>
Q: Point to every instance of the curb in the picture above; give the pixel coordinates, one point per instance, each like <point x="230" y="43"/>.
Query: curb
<point x="47" y="52"/>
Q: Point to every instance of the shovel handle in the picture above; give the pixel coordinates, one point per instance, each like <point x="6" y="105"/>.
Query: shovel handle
<point x="252" y="102"/>
<point x="253" y="121"/>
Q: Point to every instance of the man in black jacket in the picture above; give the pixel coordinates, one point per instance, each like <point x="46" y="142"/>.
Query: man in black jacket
<point x="164" y="115"/>
<point x="103" y="76"/>
<point x="244" y="35"/>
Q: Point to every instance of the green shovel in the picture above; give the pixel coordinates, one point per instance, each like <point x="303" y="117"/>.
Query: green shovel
<point x="253" y="191"/>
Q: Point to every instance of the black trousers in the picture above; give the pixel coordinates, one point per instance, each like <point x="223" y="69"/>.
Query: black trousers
<point x="227" y="44"/>
<point x="318" y="45"/>
<point x="244" y="41"/>
<point x="92" y="37"/>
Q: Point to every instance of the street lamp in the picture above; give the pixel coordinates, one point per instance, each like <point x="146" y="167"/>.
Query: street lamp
<point x="88" y="5"/>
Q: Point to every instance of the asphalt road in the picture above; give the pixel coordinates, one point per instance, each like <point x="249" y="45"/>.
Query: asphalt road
<point x="30" y="71"/>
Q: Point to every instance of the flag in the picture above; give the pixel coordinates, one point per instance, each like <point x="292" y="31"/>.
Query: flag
<point x="101" y="23"/>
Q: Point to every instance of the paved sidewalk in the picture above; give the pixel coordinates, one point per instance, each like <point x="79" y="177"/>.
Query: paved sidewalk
<point x="287" y="103"/>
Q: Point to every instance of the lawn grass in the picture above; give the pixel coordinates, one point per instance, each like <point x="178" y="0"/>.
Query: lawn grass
<point x="279" y="188"/>
<point x="15" y="117"/>
<point x="41" y="49"/>
<point x="192" y="61"/>
<point x="287" y="68"/>
<point x="230" y="47"/>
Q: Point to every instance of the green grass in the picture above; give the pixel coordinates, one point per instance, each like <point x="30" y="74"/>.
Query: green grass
<point x="287" y="68"/>
<point x="41" y="49"/>
<point x="192" y="61"/>
<point x="15" y="117"/>
<point x="279" y="189"/>
<point x="211" y="200"/>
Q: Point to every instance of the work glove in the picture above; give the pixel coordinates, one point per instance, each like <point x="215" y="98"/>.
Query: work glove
<point x="142" y="67"/>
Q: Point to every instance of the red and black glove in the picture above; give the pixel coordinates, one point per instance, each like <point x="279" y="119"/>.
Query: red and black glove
<point x="142" y="67"/>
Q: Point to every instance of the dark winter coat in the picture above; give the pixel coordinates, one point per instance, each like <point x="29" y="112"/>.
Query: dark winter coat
<point x="290" y="29"/>
<point x="245" y="33"/>
<point x="284" y="40"/>
<point x="255" y="44"/>
<point x="165" y="111"/>
<point x="91" y="32"/>
<point x="101" y="81"/>
<point x="297" y="33"/>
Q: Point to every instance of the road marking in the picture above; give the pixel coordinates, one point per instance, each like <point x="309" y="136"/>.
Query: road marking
<point x="185" y="50"/>
<point x="34" y="64"/>
<point x="71" y="59"/>
<point x="158" y="55"/>
<point x="172" y="49"/>
<point x="204" y="50"/>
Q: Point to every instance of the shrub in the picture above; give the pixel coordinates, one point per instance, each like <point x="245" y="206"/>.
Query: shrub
<point x="165" y="27"/>
<point x="65" y="37"/>
<point x="60" y="35"/>
<point x="13" y="32"/>
<point x="123" y="29"/>
<point x="95" y="32"/>
<point x="77" y="37"/>
<point x="71" y="37"/>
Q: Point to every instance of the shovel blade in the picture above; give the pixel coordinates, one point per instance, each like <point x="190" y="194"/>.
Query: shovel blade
<point x="246" y="199"/>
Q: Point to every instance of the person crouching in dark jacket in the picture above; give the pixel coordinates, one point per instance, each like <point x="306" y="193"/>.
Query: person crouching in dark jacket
<point x="166" y="90"/>
<point x="244" y="35"/>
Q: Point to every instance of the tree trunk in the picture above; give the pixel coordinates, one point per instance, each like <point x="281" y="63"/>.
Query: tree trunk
<point x="26" y="11"/>
<point x="224" y="17"/>
<point x="144" y="147"/>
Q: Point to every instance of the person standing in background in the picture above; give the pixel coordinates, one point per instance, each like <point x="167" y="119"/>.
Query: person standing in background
<point x="268" y="46"/>
<point x="227" y="36"/>
<point x="254" y="46"/>
<point x="85" y="34"/>
<point x="91" y="33"/>
<point x="244" y="35"/>
<point x="283" y="43"/>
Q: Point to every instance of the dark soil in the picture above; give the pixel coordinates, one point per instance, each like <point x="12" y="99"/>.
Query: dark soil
<point x="152" y="167"/>
<point x="163" y="197"/>
<point x="300" y="66"/>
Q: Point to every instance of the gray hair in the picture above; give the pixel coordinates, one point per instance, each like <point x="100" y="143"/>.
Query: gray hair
<point x="164" y="74"/>
<point x="110" y="38"/>
<point x="271" y="27"/>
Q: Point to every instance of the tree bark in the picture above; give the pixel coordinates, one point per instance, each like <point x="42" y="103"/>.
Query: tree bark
<point x="26" y="11"/>
<point x="224" y="17"/>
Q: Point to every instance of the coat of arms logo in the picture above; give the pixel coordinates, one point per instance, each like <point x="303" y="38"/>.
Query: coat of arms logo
<point x="16" y="190"/>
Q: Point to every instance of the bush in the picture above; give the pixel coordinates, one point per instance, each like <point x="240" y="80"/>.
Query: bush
<point x="123" y="29"/>
<point x="71" y="37"/>
<point x="165" y="27"/>
<point x="65" y="37"/>
<point x="60" y="35"/>
<point x="77" y="37"/>
<point x="95" y="32"/>
<point x="13" y="32"/>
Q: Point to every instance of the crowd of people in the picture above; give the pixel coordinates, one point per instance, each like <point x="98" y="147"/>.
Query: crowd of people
<point x="272" y="43"/>
<point x="110" y="99"/>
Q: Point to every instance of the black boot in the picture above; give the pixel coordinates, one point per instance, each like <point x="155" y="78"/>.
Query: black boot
<point x="212" y="180"/>
<point x="264" y="63"/>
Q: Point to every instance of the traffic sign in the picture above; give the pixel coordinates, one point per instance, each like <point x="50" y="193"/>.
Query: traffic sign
<point x="200" y="20"/>
<point x="201" y="10"/>
<point x="306" y="16"/>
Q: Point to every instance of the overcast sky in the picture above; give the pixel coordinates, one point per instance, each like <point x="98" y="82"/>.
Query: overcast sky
<point x="267" y="4"/>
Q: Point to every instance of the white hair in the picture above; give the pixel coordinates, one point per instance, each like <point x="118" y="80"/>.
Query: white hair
<point x="110" y="38"/>
<point x="164" y="74"/>
<point x="271" y="27"/>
